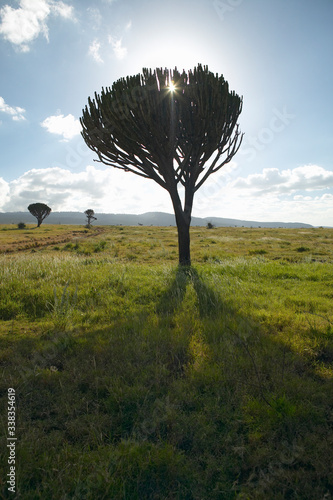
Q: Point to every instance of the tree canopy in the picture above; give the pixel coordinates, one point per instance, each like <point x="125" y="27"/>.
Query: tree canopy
<point x="176" y="128"/>
<point x="40" y="211"/>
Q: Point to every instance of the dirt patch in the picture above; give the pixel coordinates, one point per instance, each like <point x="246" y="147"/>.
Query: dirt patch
<point x="47" y="241"/>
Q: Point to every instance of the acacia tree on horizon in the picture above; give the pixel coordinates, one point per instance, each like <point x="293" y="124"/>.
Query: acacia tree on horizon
<point x="90" y="214"/>
<point x="175" y="128"/>
<point x="40" y="211"/>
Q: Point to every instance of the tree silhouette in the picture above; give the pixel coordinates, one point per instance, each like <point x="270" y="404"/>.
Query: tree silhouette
<point x="90" y="216"/>
<point x="40" y="211"/>
<point x="175" y="128"/>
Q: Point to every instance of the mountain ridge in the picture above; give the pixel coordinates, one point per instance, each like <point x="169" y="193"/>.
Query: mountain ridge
<point x="145" y="219"/>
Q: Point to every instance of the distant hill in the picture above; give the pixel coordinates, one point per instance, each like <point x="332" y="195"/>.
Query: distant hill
<point x="146" y="219"/>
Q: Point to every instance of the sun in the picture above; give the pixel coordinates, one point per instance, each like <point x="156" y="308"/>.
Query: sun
<point x="172" y="87"/>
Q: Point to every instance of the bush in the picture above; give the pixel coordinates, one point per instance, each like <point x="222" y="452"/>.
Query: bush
<point x="210" y="225"/>
<point x="302" y="249"/>
<point x="21" y="225"/>
<point x="259" y="251"/>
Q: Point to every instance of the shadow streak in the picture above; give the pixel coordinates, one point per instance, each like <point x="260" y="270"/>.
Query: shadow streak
<point x="209" y="302"/>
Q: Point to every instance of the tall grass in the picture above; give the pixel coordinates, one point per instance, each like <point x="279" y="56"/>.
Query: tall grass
<point x="143" y="380"/>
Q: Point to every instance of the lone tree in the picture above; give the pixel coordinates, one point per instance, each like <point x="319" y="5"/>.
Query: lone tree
<point x="90" y="216"/>
<point x="175" y="128"/>
<point x="40" y="211"/>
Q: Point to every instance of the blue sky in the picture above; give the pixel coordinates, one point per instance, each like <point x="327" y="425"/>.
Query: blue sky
<point x="277" y="54"/>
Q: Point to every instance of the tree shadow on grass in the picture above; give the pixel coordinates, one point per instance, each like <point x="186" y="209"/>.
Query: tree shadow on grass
<point x="266" y="359"/>
<point x="234" y="420"/>
<point x="209" y="302"/>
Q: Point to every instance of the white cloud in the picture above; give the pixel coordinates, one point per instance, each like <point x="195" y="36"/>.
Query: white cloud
<point x="63" y="10"/>
<point x="23" y="25"/>
<point x="119" y="51"/>
<point x="4" y="192"/>
<point x="94" y="51"/>
<point x="66" y="126"/>
<point x="273" y="180"/>
<point x="15" y="112"/>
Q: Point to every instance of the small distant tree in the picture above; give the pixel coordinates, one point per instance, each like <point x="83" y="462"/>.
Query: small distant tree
<point x="90" y="214"/>
<point x="210" y="225"/>
<point x="40" y="211"/>
<point x="21" y="225"/>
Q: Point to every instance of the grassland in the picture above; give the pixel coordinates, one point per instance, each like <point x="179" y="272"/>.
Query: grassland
<point x="136" y="379"/>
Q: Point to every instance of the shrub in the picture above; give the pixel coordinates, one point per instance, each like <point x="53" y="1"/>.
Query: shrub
<point x="259" y="251"/>
<point x="100" y="246"/>
<point x="21" y="225"/>
<point x="302" y="249"/>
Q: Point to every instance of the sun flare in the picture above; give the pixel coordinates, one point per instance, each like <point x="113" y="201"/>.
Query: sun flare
<point x="172" y="87"/>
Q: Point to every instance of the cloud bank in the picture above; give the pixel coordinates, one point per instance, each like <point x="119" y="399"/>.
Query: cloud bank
<point x="108" y="190"/>
<point x="273" y="180"/>
<point x="303" y="194"/>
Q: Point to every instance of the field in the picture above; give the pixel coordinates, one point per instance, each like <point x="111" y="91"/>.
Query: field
<point x="136" y="379"/>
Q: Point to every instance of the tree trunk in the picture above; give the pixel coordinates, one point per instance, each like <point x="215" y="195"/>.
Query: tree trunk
<point x="183" y="242"/>
<point x="183" y="221"/>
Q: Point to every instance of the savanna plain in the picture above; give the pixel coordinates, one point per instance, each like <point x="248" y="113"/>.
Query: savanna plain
<point x="138" y="379"/>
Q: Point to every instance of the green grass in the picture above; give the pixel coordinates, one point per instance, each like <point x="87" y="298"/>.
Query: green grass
<point x="136" y="379"/>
